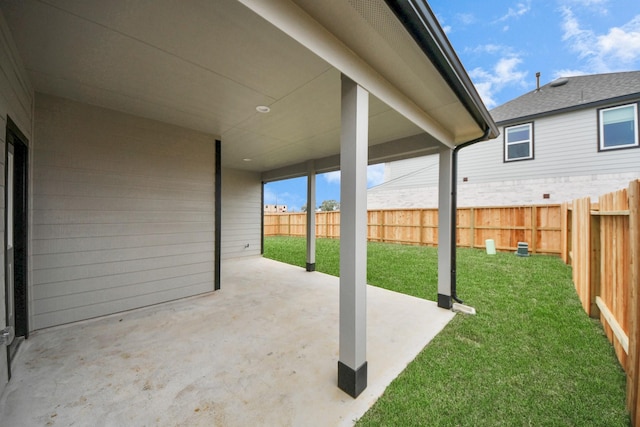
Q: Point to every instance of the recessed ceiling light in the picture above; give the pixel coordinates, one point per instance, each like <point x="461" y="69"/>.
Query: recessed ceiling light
<point x="246" y="160"/>
<point x="262" y="109"/>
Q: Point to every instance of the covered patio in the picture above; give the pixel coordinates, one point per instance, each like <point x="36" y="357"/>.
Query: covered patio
<point x="143" y="133"/>
<point x="261" y="351"/>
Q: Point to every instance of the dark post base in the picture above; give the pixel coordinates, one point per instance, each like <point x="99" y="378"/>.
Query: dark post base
<point x="352" y="382"/>
<point x="444" y="301"/>
<point x="311" y="266"/>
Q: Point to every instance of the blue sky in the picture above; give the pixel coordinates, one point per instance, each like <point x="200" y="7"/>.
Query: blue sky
<point x="502" y="44"/>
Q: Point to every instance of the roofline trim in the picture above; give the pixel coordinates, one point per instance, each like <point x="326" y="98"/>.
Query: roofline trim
<point x="624" y="98"/>
<point x="418" y="19"/>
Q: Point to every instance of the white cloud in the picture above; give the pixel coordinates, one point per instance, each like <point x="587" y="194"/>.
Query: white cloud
<point x="622" y="44"/>
<point x="567" y="72"/>
<point x="504" y="73"/>
<point x="375" y="175"/>
<point x="332" y="177"/>
<point x="521" y="9"/>
<point x="598" y="6"/>
<point x="466" y="18"/>
<point x="491" y="49"/>
<point x="617" y="50"/>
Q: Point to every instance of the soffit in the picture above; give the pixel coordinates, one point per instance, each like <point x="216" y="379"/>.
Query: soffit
<point x="206" y="65"/>
<point x="372" y="31"/>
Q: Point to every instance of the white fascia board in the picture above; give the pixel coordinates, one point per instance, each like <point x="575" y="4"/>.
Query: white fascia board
<point x="297" y="24"/>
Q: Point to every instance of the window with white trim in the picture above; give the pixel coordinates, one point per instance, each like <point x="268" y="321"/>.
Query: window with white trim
<point x="518" y="142"/>
<point x="618" y="127"/>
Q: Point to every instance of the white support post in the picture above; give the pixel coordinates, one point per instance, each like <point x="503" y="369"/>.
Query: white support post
<point x="352" y="365"/>
<point x="445" y="225"/>
<point x="311" y="216"/>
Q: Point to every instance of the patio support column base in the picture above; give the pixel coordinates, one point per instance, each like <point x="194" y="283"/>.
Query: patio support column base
<point x="311" y="266"/>
<point x="445" y="301"/>
<point x="352" y="382"/>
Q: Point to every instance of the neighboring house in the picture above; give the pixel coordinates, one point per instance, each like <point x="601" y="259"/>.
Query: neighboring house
<point x="574" y="137"/>
<point x="139" y="135"/>
<point x="275" y="208"/>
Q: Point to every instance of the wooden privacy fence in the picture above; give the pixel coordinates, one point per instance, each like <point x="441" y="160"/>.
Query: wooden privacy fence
<point x="601" y="241"/>
<point x="538" y="225"/>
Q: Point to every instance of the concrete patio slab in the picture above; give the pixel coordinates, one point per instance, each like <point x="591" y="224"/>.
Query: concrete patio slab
<point x="261" y="351"/>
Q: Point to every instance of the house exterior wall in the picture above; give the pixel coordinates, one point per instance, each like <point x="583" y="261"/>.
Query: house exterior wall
<point x="123" y="212"/>
<point x="16" y="101"/>
<point x="566" y="165"/>
<point x="241" y="213"/>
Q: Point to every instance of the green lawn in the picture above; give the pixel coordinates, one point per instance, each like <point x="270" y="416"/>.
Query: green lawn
<point x="529" y="357"/>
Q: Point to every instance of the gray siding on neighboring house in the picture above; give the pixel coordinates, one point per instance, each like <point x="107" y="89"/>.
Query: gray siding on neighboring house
<point x="566" y="165"/>
<point x="16" y="101"/>
<point x="564" y="145"/>
<point x="241" y="213"/>
<point x="123" y="212"/>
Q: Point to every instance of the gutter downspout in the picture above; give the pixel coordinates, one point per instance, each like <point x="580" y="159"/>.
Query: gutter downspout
<point x="454" y="208"/>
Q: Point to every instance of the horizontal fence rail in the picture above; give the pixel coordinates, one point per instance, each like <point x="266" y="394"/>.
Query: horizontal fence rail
<point x="601" y="242"/>
<point x="539" y="226"/>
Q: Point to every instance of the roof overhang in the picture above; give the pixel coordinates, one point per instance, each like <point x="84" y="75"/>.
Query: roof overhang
<point x="207" y="65"/>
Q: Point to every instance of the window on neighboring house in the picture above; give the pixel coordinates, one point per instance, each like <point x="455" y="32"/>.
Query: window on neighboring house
<point x="518" y="142"/>
<point x="618" y="127"/>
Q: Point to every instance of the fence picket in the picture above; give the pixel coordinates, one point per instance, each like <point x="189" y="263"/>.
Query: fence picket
<point x="633" y="361"/>
<point x="506" y="225"/>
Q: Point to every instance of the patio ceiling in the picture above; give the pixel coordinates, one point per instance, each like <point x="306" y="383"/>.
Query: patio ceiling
<point x="206" y="65"/>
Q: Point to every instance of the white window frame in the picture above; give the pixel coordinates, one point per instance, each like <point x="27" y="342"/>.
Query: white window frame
<point x="507" y="143"/>
<point x="601" y="141"/>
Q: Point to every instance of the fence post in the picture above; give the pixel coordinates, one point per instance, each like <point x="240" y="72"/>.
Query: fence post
<point x="564" y="233"/>
<point x="326" y="224"/>
<point x="580" y="244"/>
<point x="633" y="361"/>
<point x="472" y="228"/>
<point x="534" y="229"/>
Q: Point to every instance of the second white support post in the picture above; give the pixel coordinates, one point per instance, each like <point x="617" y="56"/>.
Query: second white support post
<point x="445" y="225"/>
<point x="311" y="216"/>
<point x="352" y="364"/>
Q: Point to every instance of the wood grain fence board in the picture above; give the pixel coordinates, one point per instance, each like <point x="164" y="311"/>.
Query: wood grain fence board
<point x="506" y="225"/>
<point x="614" y="263"/>
<point x="633" y="361"/>
<point x="595" y="265"/>
<point x="602" y="243"/>
<point x="430" y="224"/>
<point x="581" y="250"/>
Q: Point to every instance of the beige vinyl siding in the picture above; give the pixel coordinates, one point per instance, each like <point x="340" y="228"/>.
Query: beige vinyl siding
<point x="16" y="101"/>
<point x="123" y="212"/>
<point x="241" y="213"/>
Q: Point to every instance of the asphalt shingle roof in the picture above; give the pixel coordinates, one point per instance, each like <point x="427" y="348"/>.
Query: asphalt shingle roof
<point x="576" y="92"/>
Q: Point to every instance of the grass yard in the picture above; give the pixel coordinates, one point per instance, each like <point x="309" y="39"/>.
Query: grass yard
<point x="530" y="357"/>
